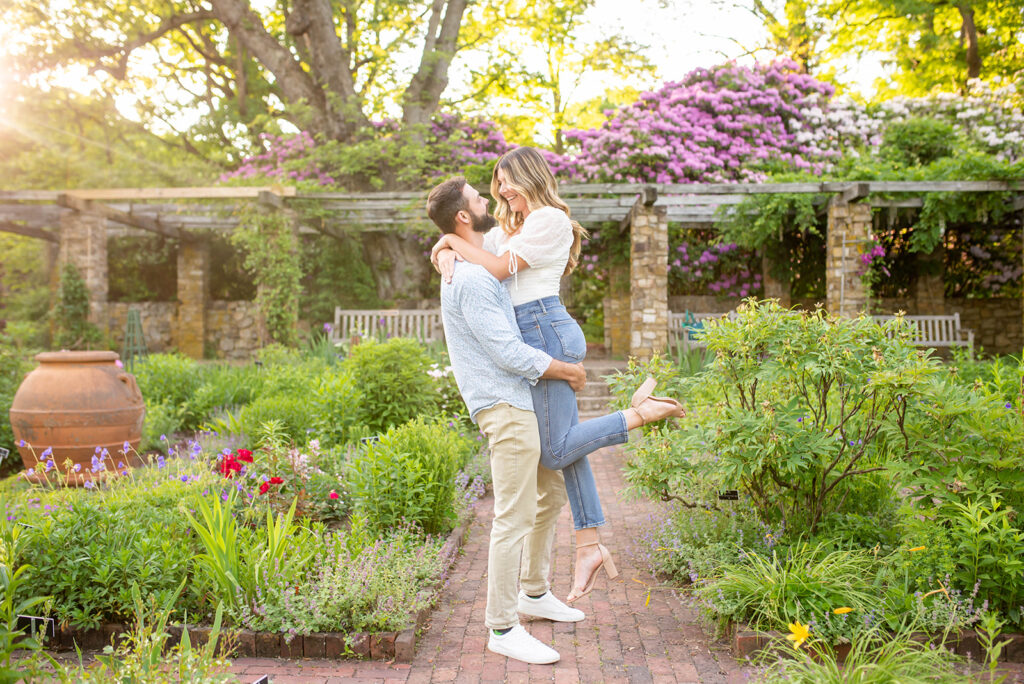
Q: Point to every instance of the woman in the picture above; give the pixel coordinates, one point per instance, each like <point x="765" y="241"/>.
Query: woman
<point x="534" y="244"/>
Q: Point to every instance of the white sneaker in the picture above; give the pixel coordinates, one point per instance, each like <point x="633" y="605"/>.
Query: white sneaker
<point x="549" y="607"/>
<point x="517" y="643"/>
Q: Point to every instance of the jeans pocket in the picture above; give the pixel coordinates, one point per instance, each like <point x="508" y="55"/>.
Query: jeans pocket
<point x="570" y="336"/>
<point x="531" y="332"/>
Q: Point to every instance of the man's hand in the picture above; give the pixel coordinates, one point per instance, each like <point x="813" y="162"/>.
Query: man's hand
<point x="573" y="373"/>
<point x="446" y="259"/>
<point x="438" y="246"/>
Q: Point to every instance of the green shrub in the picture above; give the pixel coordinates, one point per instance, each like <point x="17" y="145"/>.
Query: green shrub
<point x="223" y="386"/>
<point x="12" y="371"/>
<point x="71" y="312"/>
<point x="806" y="583"/>
<point x="691" y="544"/>
<point x="87" y="555"/>
<point x="917" y="142"/>
<point x="393" y="379"/>
<point x="795" y="407"/>
<point x="353" y="584"/>
<point x="334" y="407"/>
<point x="876" y="657"/>
<point x="291" y="412"/>
<point x="168" y="378"/>
<point x="409" y="475"/>
<point x="162" y="420"/>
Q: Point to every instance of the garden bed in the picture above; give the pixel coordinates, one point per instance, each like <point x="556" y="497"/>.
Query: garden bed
<point x="245" y="643"/>
<point x="749" y="643"/>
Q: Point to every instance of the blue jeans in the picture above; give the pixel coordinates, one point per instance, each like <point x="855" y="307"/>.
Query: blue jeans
<point x="564" y="440"/>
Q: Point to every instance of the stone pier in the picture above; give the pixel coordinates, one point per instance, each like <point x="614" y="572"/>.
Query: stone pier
<point x="193" y="292"/>
<point x="849" y="228"/>
<point x="83" y="243"/>
<point x="648" y="277"/>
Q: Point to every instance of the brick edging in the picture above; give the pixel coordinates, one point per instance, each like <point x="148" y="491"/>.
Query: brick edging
<point x="400" y="646"/>
<point x="747" y="643"/>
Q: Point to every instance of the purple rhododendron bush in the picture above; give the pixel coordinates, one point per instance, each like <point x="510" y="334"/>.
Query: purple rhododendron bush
<point x="728" y="123"/>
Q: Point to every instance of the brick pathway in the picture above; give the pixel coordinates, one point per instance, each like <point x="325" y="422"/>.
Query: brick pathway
<point x="622" y="640"/>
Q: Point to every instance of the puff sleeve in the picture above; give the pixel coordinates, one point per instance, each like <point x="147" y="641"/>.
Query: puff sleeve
<point x="546" y="237"/>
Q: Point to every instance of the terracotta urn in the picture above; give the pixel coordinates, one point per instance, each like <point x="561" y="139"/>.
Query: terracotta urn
<point x="72" y="403"/>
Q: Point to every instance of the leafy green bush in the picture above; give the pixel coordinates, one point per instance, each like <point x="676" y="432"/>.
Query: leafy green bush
<point x="876" y="657"/>
<point x="409" y="475"/>
<point x="162" y="420"/>
<point x="334" y="407"/>
<point x="794" y="409"/>
<point x="12" y="370"/>
<point x="87" y="555"/>
<point x="71" y="312"/>
<point x="917" y="141"/>
<point x="808" y="582"/>
<point x="393" y="378"/>
<point x="168" y="378"/>
<point x="291" y="412"/>
<point x="351" y="585"/>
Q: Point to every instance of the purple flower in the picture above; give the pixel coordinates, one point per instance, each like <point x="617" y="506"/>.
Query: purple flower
<point x="89" y="484"/>
<point x="47" y="453"/>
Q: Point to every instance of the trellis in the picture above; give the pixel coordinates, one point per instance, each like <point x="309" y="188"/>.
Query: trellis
<point x="78" y="219"/>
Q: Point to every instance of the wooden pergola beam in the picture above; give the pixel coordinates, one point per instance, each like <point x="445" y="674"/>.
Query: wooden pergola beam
<point x="72" y="201"/>
<point x="111" y="194"/>
<point x="28" y="231"/>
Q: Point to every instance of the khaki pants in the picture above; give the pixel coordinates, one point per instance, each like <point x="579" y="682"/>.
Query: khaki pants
<point x="527" y="500"/>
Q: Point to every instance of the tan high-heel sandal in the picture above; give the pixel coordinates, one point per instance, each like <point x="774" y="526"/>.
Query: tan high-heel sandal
<point x="653" y="409"/>
<point x="643" y="391"/>
<point x="606" y="562"/>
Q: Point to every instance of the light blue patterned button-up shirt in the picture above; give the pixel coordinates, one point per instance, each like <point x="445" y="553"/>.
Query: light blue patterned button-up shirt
<point x="492" y="364"/>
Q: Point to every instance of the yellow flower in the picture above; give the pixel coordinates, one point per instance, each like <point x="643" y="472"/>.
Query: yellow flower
<point x="843" y="610"/>
<point x="917" y="548"/>
<point x="798" y="634"/>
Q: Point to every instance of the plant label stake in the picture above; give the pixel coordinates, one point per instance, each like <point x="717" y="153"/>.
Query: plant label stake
<point x="4" y="453"/>
<point x="370" y="440"/>
<point x="37" y="626"/>
<point x="265" y="679"/>
<point x="729" y="495"/>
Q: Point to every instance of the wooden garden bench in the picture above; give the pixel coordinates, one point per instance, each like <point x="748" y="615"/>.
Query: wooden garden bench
<point x="421" y="324"/>
<point x="936" y="331"/>
<point x="684" y="329"/>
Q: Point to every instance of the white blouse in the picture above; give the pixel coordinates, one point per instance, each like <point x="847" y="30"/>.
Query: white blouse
<point x="544" y="243"/>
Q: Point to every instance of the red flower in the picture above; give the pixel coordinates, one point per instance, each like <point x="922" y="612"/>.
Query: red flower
<point x="245" y="455"/>
<point x="229" y="466"/>
<point x="264" y="487"/>
<point x="334" y="495"/>
<point x="276" y="480"/>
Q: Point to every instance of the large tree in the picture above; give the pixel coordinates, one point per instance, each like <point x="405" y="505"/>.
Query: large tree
<point x="326" y="66"/>
<point x="934" y="44"/>
<point x="532" y="76"/>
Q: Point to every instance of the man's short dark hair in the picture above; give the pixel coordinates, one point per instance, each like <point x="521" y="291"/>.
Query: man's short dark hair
<point x="445" y="201"/>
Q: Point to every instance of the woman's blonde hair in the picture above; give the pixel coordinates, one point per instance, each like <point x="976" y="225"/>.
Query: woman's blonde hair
<point x="529" y="175"/>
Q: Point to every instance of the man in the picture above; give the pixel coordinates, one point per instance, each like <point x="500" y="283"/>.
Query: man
<point x="493" y="367"/>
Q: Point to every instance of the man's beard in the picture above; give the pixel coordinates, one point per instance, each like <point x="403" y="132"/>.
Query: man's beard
<point x="482" y="224"/>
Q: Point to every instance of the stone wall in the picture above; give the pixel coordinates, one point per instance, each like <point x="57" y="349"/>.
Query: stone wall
<point x="996" y="322"/>
<point x="233" y="329"/>
<point x="157" y="323"/>
<point x="616" y="326"/>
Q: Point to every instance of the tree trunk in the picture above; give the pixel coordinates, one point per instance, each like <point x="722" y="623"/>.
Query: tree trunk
<point x="424" y="92"/>
<point x="297" y="87"/>
<point x="969" y="37"/>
